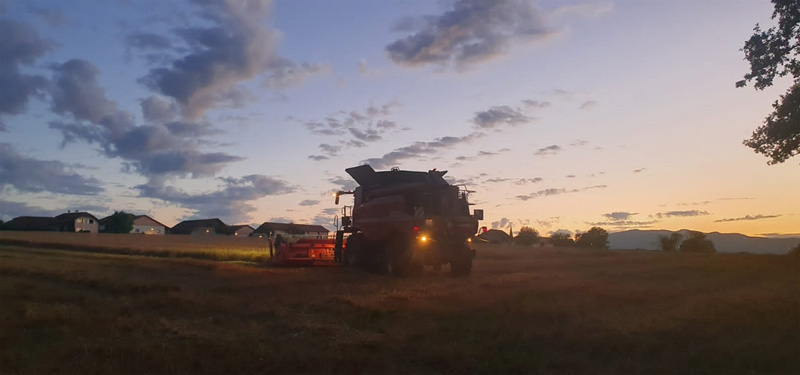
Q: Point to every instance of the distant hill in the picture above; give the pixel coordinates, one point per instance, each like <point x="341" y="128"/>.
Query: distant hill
<point x="724" y="242"/>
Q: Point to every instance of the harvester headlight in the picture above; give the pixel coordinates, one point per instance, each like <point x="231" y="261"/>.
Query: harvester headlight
<point x="469" y="239"/>
<point x="424" y="238"/>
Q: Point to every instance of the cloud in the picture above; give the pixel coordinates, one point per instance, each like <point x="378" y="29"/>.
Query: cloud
<point x="556" y="191"/>
<point x="471" y="32"/>
<point x="26" y="174"/>
<point x="235" y="47"/>
<point x="501" y="224"/>
<point x="570" y="176"/>
<point x="419" y="149"/>
<point x="10" y="210"/>
<point x="588" y="105"/>
<point x="618" y="215"/>
<point x="579" y="143"/>
<point x="229" y="203"/>
<point x="156" y="108"/>
<point x="148" y="41"/>
<point x="20" y="45"/>
<point x="286" y="73"/>
<point x="748" y="218"/>
<point x="318" y="157"/>
<point x="151" y="150"/>
<point x="525" y="181"/>
<point x="689" y="213"/>
<point x="623" y="224"/>
<point x="639" y="170"/>
<point x="549" y="150"/>
<point x="364" y="126"/>
<point x="309" y="202"/>
<point x="737" y="199"/>
<point x="535" y="103"/>
<point x="500" y="115"/>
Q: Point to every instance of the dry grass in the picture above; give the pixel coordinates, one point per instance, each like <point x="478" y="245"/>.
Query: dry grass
<point x="521" y="311"/>
<point x="223" y="248"/>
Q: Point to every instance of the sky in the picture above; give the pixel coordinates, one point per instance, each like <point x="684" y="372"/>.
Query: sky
<point x="559" y="115"/>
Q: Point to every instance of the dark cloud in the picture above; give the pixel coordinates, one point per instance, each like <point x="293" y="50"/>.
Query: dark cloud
<point x="344" y="184"/>
<point x="639" y="170"/>
<point x="689" y="213"/>
<point x="579" y="143"/>
<point x="229" y="203"/>
<point x="471" y="32"/>
<point x="482" y="154"/>
<point x="555" y="191"/>
<point x="703" y="203"/>
<point x="285" y="73"/>
<point x="26" y="174"/>
<point x="234" y="48"/>
<point x="10" y="210"/>
<point x="623" y="224"/>
<point x="498" y="180"/>
<point x="309" y="202"/>
<point x="525" y="181"/>
<point x="619" y="215"/>
<point x="748" y="218"/>
<point x="501" y="224"/>
<point x="589" y="104"/>
<point x="570" y="176"/>
<point x="317" y="157"/>
<point x="535" y="103"/>
<point x="369" y="125"/>
<point x="368" y="135"/>
<point x="419" y="149"/>
<point x="148" y="41"/>
<point x="156" y="108"/>
<point x="500" y="115"/>
<point x="151" y="150"/>
<point x="19" y="45"/>
<point x="549" y="150"/>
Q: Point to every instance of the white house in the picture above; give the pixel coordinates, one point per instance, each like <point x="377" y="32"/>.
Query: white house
<point x="144" y="224"/>
<point x="77" y="222"/>
<point x="241" y="230"/>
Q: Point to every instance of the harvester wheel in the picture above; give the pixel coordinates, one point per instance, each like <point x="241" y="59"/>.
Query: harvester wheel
<point x="461" y="262"/>
<point x="353" y="254"/>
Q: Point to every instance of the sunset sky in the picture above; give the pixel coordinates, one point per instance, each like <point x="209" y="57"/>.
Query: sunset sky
<point x="560" y="115"/>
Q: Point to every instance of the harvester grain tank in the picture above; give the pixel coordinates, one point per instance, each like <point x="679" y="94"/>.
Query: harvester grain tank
<point x="402" y="221"/>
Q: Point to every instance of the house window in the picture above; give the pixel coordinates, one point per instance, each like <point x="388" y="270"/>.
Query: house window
<point x="152" y="229"/>
<point x="79" y="221"/>
<point x="91" y="221"/>
<point x="137" y="230"/>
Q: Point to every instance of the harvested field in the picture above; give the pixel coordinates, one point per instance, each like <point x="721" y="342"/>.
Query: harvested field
<point x="522" y="310"/>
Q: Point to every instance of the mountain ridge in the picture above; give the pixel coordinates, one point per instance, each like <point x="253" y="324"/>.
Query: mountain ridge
<point x="724" y="242"/>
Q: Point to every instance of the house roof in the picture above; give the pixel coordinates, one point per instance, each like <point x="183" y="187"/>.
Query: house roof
<point x="31" y="223"/>
<point x="186" y="227"/>
<point x="290" y="228"/>
<point x="494" y="235"/>
<point x="237" y="227"/>
<point x="71" y="216"/>
<point x="156" y="221"/>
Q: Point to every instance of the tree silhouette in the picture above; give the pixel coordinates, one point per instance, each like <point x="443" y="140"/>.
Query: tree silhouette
<point x="669" y="243"/>
<point x="562" y="239"/>
<point x="527" y="236"/>
<point x="772" y="53"/>
<point x="697" y="243"/>
<point x="595" y="237"/>
<point x="119" y="222"/>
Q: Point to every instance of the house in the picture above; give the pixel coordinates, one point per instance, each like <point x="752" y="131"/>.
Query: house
<point x="31" y="223"/>
<point x="495" y="236"/>
<point x="147" y="225"/>
<point x="241" y="230"/>
<point x="201" y="227"/>
<point x="77" y="222"/>
<point x="291" y="230"/>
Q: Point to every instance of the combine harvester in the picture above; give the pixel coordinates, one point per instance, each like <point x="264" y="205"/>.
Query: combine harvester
<point x="400" y="222"/>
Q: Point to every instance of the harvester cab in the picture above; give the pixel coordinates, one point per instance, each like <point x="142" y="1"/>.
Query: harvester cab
<point x="401" y="221"/>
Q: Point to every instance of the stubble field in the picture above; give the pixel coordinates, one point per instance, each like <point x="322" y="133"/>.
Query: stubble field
<point x="523" y="310"/>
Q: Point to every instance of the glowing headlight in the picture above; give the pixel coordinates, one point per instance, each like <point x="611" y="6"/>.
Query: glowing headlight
<point x="469" y="239"/>
<point x="423" y="238"/>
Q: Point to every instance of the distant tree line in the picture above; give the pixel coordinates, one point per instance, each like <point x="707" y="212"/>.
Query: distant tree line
<point x="695" y="243"/>
<point x="595" y="237"/>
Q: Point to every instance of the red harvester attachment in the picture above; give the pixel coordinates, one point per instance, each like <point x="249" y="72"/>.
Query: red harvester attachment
<point x="306" y="252"/>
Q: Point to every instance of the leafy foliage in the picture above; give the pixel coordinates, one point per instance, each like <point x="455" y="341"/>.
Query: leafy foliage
<point x="119" y="222"/>
<point x="774" y="53"/>
<point x="669" y="243"/>
<point x="527" y="236"/>
<point x="697" y="243"/>
<point x="562" y="239"/>
<point x="595" y="237"/>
